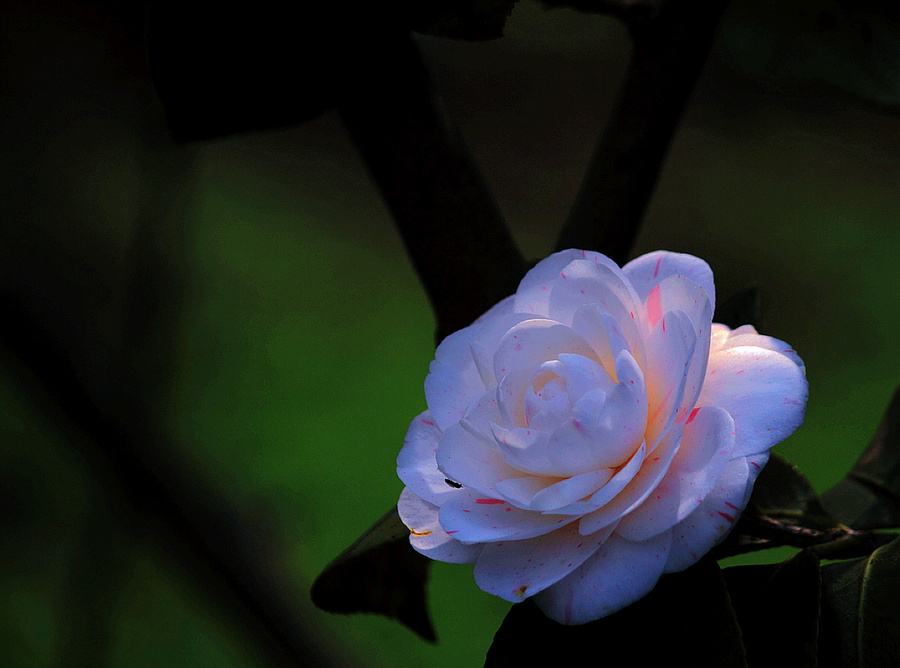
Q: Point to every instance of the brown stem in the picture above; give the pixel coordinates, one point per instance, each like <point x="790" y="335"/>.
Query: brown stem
<point x="454" y="233"/>
<point x="670" y="49"/>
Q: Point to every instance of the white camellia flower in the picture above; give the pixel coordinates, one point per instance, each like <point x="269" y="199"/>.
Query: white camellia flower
<point x="594" y="431"/>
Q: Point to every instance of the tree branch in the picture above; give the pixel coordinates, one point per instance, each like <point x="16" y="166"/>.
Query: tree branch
<point x="670" y="49"/>
<point x="454" y="233"/>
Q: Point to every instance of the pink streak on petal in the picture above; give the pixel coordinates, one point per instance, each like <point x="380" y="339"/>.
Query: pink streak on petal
<point x="489" y="502"/>
<point x="654" y="306"/>
<point x="692" y="415"/>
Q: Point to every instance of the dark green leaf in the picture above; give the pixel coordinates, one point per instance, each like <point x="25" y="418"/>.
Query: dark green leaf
<point x="777" y="606"/>
<point x="379" y="573"/>
<point x="784" y="494"/>
<point x="688" y="615"/>
<point x="880" y="608"/>
<point x="860" y="621"/>
<point x="741" y="308"/>
<point x="869" y="496"/>
<point x="849" y="46"/>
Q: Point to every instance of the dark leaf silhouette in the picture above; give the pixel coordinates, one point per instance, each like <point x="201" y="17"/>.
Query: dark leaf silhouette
<point x="869" y="496"/>
<point x="777" y="606"/>
<point x="784" y="494"/>
<point x="860" y="622"/>
<point x="379" y="573"/>
<point x="704" y="631"/>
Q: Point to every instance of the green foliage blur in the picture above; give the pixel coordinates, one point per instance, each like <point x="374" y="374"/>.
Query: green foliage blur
<point x="303" y="337"/>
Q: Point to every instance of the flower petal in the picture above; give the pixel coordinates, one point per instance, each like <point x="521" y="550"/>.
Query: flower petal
<point x="470" y="461"/>
<point x="618" y="482"/>
<point x="648" y="271"/>
<point x="705" y="450"/>
<point x="711" y="521"/>
<point x="605" y="337"/>
<point x="521" y="353"/>
<point x="609" y="425"/>
<point x="589" y="284"/>
<point x="533" y="294"/>
<point x="682" y="295"/>
<point x="416" y="463"/>
<point x="515" y="570"/>
<point x="454" y="378"/>
<point x="473" y="518"/>
<point x="763" y="390"/>
<point x="426" y="535"/>
<point x="582" y="374"/>
<point x="548" y="494"/>
<point x="747" y="335"/>
<point x="529" y="451"/>
<point x="532" y="342"/>
<point x="639" y="488"/>
<point x="670" y="348"/>
<point x="618" y="574"/>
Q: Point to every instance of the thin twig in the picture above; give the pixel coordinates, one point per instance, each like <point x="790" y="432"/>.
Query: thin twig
<point x="760" y="532"/>
<point x="670" y="49"/>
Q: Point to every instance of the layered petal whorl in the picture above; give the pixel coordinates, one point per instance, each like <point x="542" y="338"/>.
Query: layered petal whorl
<point x="594" y="431"/>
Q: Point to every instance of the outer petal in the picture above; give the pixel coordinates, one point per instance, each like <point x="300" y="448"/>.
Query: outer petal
<point x="534" y="290"/>
<point x="518" y="569"/>
<point x="461" y="368"/>
<point x="648" y="271"/>
<point x="416" y="463"/>
<point x="472" y="518"/>
<point x="705" y="450"/>
<point x="704" y="528"/>
<point x="763" y="390"/>
<point x="426" y="535"/>
<point x="619" y="573"/>
<point x="747" y="335"/>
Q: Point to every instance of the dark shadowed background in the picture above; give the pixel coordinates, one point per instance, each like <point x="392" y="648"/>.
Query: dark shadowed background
<point x="284" y="338"/>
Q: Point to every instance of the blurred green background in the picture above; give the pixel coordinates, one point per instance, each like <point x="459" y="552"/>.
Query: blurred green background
<point x="302" y="336"/>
